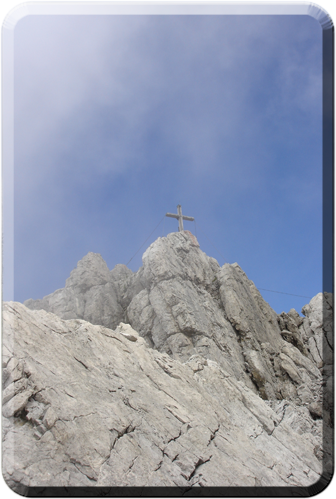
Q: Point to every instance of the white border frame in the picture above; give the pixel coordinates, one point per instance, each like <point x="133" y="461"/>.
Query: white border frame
<point x="14" y="10"/>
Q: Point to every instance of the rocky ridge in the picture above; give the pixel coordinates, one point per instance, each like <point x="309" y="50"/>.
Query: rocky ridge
<point x="179" y="374"/>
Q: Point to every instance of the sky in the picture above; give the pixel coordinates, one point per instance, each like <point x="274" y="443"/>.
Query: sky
<point x="117" y="119"/>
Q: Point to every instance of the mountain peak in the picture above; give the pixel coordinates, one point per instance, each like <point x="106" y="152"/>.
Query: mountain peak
<point x="91" y="271"/>
<point x="195" y="329"/>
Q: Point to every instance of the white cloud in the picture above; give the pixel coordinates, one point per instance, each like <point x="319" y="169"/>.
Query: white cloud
<point x="195" y="86"/>
<point x="210" y="98"/>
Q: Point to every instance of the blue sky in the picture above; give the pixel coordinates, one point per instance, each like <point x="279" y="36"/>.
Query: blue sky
<point x="120" y="118"/>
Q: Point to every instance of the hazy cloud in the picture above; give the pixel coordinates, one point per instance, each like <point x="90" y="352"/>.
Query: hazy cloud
<point x="125" y="114"/>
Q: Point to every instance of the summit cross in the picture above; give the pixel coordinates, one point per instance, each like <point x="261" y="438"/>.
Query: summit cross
<point x="180" y="217"/>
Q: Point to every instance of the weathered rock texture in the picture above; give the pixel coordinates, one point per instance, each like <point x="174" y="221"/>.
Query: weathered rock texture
<point x="92" y="293"/>
<point x="201" y="383"/>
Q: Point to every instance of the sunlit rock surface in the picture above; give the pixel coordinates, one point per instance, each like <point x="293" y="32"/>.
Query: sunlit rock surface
<point x="177" y="375"/>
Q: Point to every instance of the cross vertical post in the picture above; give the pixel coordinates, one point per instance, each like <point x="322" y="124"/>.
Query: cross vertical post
<point x="180" y="217"/>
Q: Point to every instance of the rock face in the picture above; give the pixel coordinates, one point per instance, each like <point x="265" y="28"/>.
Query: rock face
<point x="91" y="292"/>
<point x="99" y="407"/>
<point x="177" y="375"/>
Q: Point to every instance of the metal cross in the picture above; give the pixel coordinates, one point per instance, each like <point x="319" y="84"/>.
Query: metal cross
<point x="179" y="217"/>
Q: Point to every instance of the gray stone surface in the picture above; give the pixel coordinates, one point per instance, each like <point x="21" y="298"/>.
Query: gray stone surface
<point x="92" y="293"/>
<point x="178" y="374"/>
<point x="86" y="405"/>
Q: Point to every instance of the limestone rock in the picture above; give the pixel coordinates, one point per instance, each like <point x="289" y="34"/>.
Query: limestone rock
<point x="173" y="365"/>
<point x="100" y="409"/>
<point x="182" y="303"/>
<point x="319" y="314"/>
<point x="90" y="271"/>
<point x="317" y="329"/>
<point x="253" y="318"/>
<point x="92" y="293"/>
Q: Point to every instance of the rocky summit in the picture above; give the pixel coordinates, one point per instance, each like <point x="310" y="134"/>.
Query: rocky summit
<point x="177" y="375"/>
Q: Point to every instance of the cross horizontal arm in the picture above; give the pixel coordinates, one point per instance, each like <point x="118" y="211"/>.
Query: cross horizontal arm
<point x="172" y="215"/>
<point x="188" y="218"/>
